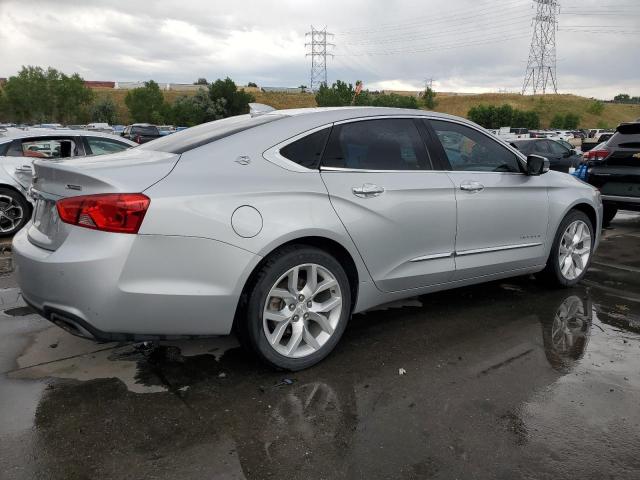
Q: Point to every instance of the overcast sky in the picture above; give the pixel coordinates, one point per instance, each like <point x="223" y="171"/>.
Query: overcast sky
<point x="464" y="45"/>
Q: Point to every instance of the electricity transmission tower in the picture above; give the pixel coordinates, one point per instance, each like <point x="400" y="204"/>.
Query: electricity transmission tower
<point x="541" y="66"/>
<point x="318" y="56"/>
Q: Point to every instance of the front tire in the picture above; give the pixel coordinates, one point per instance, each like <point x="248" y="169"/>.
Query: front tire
<point x="298" y="308"/>
<point x="571" y="251"/>
<point x="14" y="212"/>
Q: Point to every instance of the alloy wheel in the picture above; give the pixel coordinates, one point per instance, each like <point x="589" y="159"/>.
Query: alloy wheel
<point x="302" y="310"/>
<point x="575" y="250"/>
<point x="11" y="214"/>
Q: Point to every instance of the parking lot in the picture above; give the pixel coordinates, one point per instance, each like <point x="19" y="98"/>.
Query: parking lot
<point x="503" y="380"/>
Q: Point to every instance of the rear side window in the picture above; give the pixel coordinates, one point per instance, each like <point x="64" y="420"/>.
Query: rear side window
<point x="540" y="147"/>
<point x="624" y="141"/>
<point x="195" y="137"/>
<point x="144" y="130"/>
<point x="307" y="151"/>
<point x="385" y="144"/>
<point x="469" y="150"/>
<point x="3" y="148"/>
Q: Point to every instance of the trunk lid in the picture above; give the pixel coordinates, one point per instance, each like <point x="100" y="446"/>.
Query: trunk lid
<point x="130" y="171"/>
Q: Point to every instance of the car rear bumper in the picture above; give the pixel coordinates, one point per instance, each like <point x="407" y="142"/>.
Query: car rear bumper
<point x="110" y="286"/>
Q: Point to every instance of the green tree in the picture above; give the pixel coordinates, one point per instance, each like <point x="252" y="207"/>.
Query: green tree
<point x="37" y="95"/>
<point x="252" y="84"/>
<point x="104" y="110"/>
<point x="146" y="104"/>
<point x="596" y="107"/>
<point x="430" y="98"/>
<point x="557" y="121"/>
<point x="340" y="94"/>
<point x="236" y="102"/>
<point x="622" y="98"/>
<point x="392" y="100"/>
<point x="490" y="116"/>
<point x="190" y="110"/>
<point x="201" y="81"/>
<point x="571" y="121"/>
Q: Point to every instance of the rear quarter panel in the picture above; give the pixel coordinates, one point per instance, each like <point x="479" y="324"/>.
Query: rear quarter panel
<point x="200" y="196"/>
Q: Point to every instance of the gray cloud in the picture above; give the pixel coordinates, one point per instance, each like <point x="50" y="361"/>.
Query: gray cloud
<point x="465" y="45"/>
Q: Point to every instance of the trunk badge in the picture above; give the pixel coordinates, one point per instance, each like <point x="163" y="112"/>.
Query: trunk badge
<point x="243" y="160"/>
<point x="73" y="187"/>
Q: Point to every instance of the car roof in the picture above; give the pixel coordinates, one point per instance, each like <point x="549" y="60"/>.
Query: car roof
<point x="19" y="133"/>
<point x="356" y="112"/>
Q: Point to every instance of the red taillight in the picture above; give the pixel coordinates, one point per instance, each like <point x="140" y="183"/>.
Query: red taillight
<point x="597" y="155"/>
<point x="110" y="212"/>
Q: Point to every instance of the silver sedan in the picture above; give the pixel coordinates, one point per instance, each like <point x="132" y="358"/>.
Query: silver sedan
<point x="281" y="225"/>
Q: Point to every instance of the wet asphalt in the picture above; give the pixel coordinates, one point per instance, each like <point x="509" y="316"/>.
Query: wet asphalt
<point x="500" y="381"/>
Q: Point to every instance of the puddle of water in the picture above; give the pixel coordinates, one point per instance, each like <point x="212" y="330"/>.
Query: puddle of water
<point x="53" y="353"/>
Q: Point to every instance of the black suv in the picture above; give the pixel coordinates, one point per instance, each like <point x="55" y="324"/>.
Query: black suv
<point x="615" y="170"/>
<point x="560" y="157"/>
<point x="141" y="132"/>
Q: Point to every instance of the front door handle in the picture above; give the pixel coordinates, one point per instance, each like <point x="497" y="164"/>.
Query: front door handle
<point x="472" y="187"/>
<point x="367" y="190"/>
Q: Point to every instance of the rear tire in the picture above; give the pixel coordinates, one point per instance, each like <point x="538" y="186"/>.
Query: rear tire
<point x="608" y="214"/>
<point x="296" y="309"/>
<point x="15" y="212"/>
<point x="571" y="251"/>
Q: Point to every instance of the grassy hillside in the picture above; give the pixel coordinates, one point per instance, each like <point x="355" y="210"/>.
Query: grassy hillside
<point x="546" y="106"/>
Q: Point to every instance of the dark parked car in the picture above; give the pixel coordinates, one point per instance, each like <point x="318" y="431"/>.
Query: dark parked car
<point x="141" y="132"/>
<point x="560" y="157"/>
<point x="614" y="168"/>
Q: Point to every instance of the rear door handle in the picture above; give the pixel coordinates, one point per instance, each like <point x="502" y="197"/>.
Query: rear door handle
<point x="471" y="187"/>
<point x="367" y="190"/>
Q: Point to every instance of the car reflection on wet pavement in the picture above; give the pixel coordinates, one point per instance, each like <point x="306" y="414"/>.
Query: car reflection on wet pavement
<point x="503" y="380"/>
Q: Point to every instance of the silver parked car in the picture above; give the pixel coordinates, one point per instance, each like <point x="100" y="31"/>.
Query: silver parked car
<point x="283" y="224"/>
<point x="18" y="148"/>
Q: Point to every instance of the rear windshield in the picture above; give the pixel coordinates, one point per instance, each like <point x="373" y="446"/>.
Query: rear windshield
<point x="197" y="136"/>
<point x="624" y="141"/>
<point x="144" y="130"/>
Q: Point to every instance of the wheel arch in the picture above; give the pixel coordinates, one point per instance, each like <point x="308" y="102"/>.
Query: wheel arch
<point x="588" y="210"/>
<point x="331" y="246"/>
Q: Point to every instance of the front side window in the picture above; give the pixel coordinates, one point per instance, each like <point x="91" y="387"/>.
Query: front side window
<point x="384" y="144"/>
<point x="469" y="150"/>
<point x="307" y="151"/>
<point x="103" y="146"/>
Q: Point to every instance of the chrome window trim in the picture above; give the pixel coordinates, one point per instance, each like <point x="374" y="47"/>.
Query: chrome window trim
<point x="497" y="249"/>
<point x="356" y="170"/>
<point x="273" y="155"/>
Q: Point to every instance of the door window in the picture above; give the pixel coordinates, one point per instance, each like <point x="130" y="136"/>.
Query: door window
<point x="103" y="146"/>
<point x="469" y="150"/>
<point x="381" y="144"/>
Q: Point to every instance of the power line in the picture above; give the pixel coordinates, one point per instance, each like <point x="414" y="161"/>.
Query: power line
<point x="318" y="56"/>
<point x="541" y="66"/>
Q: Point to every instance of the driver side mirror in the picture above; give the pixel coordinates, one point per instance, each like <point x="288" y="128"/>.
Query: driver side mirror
<point x="537" y="165"/>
